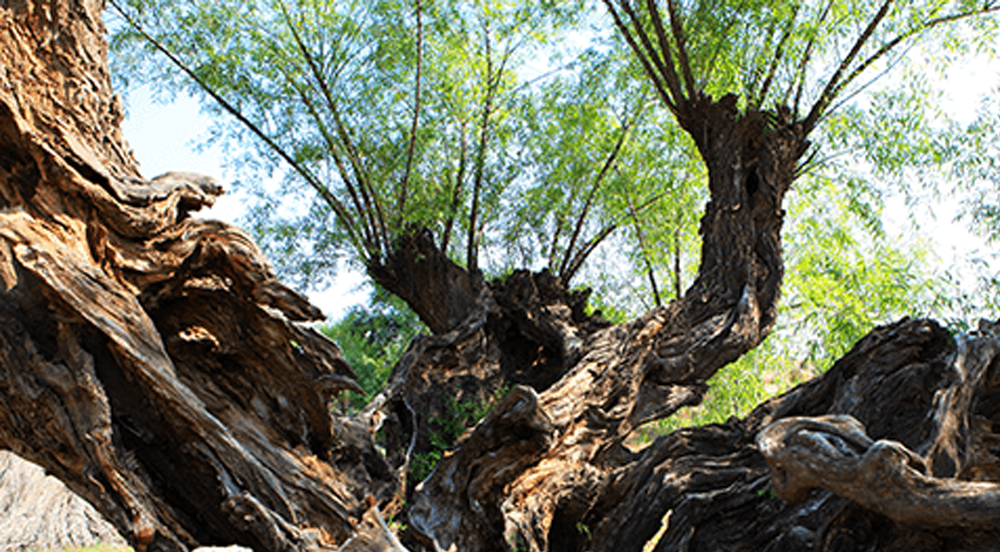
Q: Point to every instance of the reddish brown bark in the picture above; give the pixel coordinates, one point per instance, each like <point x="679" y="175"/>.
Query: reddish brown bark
<point x="150" y="360"/>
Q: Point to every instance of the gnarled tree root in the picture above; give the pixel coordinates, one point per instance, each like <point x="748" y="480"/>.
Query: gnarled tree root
<point x="833" y="453"/>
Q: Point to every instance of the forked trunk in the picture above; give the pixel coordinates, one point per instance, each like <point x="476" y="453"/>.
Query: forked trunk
<point x="542" y="460"/>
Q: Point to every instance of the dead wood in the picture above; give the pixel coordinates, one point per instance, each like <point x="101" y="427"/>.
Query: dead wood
<point x="40" y="513"/>
<point x="151" y="361"/>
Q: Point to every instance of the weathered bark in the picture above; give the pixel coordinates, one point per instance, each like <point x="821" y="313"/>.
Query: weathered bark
<point x="439" y="291"/>
<point x="542" y="460"/>
<point x="153" y="363"/>
<point x="925" y="397"/>
<point x="38" y="512"/>
<point x="898" y="382"/>
<point x="149" y="360"/>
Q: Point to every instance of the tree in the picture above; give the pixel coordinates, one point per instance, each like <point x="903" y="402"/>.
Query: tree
<point x="154" y="363"/>
<point x="456" y="134"/>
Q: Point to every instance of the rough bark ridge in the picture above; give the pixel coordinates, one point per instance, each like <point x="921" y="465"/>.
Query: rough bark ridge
<point x="541" y="462"/>
<point x="39" y="513"/>
<point x="153" y="363"/>
<point x="149" y="360"/>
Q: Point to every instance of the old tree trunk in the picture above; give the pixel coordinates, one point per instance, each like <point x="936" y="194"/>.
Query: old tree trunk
<point x="152" y="362"/>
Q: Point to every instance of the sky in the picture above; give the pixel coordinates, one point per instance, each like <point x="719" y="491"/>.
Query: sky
<point x="170" y="136"/>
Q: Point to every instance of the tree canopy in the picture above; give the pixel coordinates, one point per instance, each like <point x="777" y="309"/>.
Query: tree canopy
<point x="538" y="136"/>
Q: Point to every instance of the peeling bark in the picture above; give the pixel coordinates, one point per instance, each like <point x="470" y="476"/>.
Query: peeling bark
<point x="152" y="361"/>
<point x="40" y="513"/>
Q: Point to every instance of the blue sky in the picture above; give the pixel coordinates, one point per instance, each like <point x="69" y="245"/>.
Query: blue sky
<point x="171" y="136"/>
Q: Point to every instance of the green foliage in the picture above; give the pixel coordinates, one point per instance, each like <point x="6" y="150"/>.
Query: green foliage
<point x="735" y="390"/>
<point x="447" y="428"/>
<point x="372" y="116"/>
<point x="377" y="115"/>
<point x="845" y="275"/>
<point x="372" y="340"/>
<point x="424" y="463"/>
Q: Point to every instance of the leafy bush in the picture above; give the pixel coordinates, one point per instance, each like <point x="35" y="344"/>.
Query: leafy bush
<point x="373" y="338"/>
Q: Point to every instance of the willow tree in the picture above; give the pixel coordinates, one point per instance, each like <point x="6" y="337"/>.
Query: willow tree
<point x="153" y="362"/>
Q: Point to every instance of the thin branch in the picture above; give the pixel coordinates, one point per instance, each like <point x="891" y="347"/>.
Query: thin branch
<point x="677" y="257"/>
<point x="666" y="56"/>
<point x="776" y="59"/>
<point x="835" y="87"/>
<point x="861" y="88"/>
<point x="371" y="209"/>
<point x="662" y="58"/>
<point x="798" y="83"/>
<point x="810" y="162"/>
<point x="457" y="190"/>
<point x="832" y="85"/>
<point x="889" y="46"/>
<point x="342" y="214"/>
<point x="345" y="175"/>
<point x="644" y="59"/>
<point x="369" y="229"/>
<point x="643" y="249"/>
<point x="471" y="252"/>
<point x="609" y="162"/>
<point x="682" y="57"/>
<point x="412" y="146"/>
<point x="559" y="224"/>
<point x="582" y="255"/>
